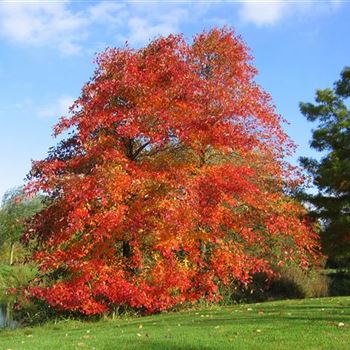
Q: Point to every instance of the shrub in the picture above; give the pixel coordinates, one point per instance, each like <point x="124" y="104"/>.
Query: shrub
<point x="14" y="277"/>
<point x="291" y="283"/>
<point x="296" y="283"/>
<point x="339" y="283"/>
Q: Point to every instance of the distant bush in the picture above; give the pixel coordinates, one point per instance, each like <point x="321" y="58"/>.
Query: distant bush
<point x="291" y="283"/>
<point x="296" y="283"/>
<point x="339" y="283"/>
<point x="340" y="263"/>
<point x="14" y="277"/>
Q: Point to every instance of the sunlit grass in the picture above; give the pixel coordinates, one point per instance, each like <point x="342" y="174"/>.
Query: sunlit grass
<point x="297" y="324"/>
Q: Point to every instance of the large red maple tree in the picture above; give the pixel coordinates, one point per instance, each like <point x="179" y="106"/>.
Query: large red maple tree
<point x="171" y="182"/>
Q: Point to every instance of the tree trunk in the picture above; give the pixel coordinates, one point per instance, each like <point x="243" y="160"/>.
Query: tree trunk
<point x="127" y="249"/>
<point x="12" y="248"/>
<point x="8" y="316"/>
<point x="203" y="249"/>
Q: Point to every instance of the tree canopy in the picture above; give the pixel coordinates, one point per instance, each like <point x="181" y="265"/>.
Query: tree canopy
<point x="331" y="174"/>
<point x="171" y="182"/>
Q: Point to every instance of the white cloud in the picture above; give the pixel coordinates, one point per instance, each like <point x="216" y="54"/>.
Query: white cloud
<point x="107" y="12"/>
<point x="262" y="13"/>
<point x="26" y="103"/>
<point x="60" y="25"/>
<point x="144" y="21"/>
<point x="66" y="25"/>
<point x="56" y="109"/>
<point x="144" y="28"/>
<point x="42" y="24"/>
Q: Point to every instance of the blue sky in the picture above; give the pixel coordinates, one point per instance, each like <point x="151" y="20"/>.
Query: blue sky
<point x="47" y="50"/>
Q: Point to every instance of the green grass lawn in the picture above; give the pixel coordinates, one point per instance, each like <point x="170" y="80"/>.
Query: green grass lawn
<point x="296" y="324"/>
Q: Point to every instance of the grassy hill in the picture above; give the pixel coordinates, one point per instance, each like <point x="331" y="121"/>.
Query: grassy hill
<point x="295" y="324"/>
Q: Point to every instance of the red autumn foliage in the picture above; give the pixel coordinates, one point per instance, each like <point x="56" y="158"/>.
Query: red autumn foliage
<point x="171" y="182"/>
